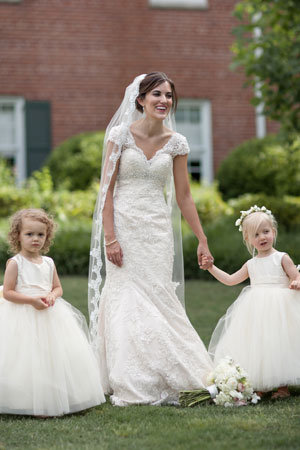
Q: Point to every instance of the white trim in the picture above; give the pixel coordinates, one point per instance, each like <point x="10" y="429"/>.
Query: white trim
<point x="18" y="151"/>
<point x="184" y="4"/>
<point x="260" y="119"/>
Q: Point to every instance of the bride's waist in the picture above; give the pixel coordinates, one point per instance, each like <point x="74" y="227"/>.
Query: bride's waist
<point x="143" y="199"/>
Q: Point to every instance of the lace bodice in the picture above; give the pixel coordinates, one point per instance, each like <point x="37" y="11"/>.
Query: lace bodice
<point x="267" y="270"/>
<point x="138" y="175"/>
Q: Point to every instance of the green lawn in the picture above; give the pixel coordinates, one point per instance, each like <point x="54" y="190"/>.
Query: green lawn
<point x="269" y="425"/>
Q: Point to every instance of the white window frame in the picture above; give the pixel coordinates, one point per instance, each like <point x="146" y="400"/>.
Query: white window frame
<point x="17" y="151"/>
<point x="206" y="148"/>
<point x="184" y="4"/>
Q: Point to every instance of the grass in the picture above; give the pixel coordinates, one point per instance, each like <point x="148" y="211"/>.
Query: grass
<point x="269" y="425"/>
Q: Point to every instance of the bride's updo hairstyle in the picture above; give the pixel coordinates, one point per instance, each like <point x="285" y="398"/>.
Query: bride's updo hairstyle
<point x="150" y="82"/>
<point x="251" y="224"/>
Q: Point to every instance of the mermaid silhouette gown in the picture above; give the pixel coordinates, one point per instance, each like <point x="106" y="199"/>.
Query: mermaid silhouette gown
<point x="149" y="350"/>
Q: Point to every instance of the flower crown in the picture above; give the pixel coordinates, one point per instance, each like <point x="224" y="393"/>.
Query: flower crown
<point x="253" y="209"/>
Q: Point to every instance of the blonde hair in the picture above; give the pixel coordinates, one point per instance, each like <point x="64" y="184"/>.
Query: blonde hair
<point x="252" y="222"/>
<point x="16" y="225"/>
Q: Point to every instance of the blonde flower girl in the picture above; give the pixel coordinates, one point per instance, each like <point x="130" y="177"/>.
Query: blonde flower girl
<point x="47" y="366"/>
<point x="261" y="329"/>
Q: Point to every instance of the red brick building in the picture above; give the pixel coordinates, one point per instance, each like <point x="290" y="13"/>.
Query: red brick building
<point x="64" y="65"/>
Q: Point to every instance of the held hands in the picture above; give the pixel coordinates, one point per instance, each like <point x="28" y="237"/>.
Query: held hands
<point x="295" y="284"/>
<point x="205" y="258"/>
<point x="206" y="263"/>
<point x="114" y="253"/>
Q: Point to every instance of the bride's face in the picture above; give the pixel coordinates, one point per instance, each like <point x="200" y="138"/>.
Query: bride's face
<point x="158" y="102"/>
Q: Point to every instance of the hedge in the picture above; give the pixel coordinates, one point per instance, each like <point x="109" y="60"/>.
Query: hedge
<point x="261" y="166"/>
<point x="76" y="163"/>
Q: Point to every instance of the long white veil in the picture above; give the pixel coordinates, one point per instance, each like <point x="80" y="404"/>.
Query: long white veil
<point x="123" y="118"/>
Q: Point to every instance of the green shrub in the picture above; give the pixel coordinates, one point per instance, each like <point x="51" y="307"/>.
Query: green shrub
<point x="208" y="201"/>
<point x="77" y="161"/>
<point x="286" y="209"/>
<point x="6" y="174"/>
<point x="71" y="247"/>
<point x="39" y="193"/>
<point x="261" y="165"/>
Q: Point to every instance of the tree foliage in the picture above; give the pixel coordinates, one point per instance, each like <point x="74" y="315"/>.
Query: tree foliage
<point x="267" y="46"/>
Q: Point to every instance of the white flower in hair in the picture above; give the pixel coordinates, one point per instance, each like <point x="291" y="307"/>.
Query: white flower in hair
<point x="251" y="210"/>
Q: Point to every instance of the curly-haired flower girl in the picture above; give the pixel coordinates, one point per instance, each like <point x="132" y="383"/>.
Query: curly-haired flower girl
<point x="47" y="366"/>
<point x="261" y="329"/>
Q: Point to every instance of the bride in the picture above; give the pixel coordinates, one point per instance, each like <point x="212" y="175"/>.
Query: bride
<point x="148" y="350"/>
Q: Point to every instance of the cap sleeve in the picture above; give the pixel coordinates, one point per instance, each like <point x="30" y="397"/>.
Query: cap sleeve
<point x="116" y="134"/>
<point x="180" y="146"/>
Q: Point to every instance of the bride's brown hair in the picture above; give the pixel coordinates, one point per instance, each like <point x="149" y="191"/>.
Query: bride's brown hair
<point x="152" y="80"/>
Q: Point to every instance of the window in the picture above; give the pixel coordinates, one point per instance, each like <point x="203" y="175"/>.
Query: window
<point x="193" y="120"/>
<point x="12" y="136"/>
<point x="185" y="4"/>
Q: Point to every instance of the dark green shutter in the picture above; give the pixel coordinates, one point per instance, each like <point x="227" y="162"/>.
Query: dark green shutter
<point x="38" y="133"/>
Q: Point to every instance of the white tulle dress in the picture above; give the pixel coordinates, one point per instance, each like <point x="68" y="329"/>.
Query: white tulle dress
<point x="47" y="366"/>
<point x="149" y="350"/>
<point x="261" y="329"/>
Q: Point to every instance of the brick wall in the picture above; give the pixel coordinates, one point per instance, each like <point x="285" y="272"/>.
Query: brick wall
<point x="80" y="55"/>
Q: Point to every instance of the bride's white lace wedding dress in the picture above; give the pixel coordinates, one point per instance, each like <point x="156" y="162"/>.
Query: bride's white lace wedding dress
<point x="149" y="350"/>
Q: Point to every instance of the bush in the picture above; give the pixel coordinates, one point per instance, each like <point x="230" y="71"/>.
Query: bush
<point x="209" y="203"/>
<point x="286" y="209"/>
<point x="39" y="193"/>
<point x="76" y="163"/>
<point x="261" y="165"/>
<point x="71" y="247"/>
<point x="6" y="174"/>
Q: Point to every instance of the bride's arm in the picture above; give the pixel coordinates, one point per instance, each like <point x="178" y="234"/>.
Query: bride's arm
<point x="113" y="251"/>
<point x="188" y="208"/>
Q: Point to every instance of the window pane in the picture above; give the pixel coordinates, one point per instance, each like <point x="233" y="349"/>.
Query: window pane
<point x="179" y="115"/>
<point x="7" y="125"/>
<point x="195" y="115"/>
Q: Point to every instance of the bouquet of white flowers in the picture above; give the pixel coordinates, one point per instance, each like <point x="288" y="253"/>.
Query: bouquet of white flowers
<point x="229" y="385"/>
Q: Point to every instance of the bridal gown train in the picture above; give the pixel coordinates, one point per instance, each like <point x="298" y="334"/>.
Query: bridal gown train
<point x="149" y="350"/>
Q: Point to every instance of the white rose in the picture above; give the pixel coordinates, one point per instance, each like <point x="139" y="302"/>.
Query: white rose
<point x="231" y="383"/>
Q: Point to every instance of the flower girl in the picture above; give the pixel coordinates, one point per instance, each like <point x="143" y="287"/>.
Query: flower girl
<point x="261" y="329"/>
<point x="47" y="366"/>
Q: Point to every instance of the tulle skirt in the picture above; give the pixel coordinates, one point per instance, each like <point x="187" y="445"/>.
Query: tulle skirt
<point x="47" y="366"/>
<point x="261" y="332"/>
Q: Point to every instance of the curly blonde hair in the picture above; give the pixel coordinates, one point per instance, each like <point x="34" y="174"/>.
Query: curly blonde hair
<point x="16" y="225"/>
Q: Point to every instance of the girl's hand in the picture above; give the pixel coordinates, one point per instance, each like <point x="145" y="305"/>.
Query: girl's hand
<point x="203" y="252"/>
<point x="114" y="254"/>
<point x="206" y="263"/>
<point x="295" y="285"/>
<point x="50" y="299"/>
<point x="39" y="303"/>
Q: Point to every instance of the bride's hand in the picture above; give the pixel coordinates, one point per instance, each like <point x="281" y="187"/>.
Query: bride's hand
<point x="114" y="254"/>
<point x="203" y="251"/>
